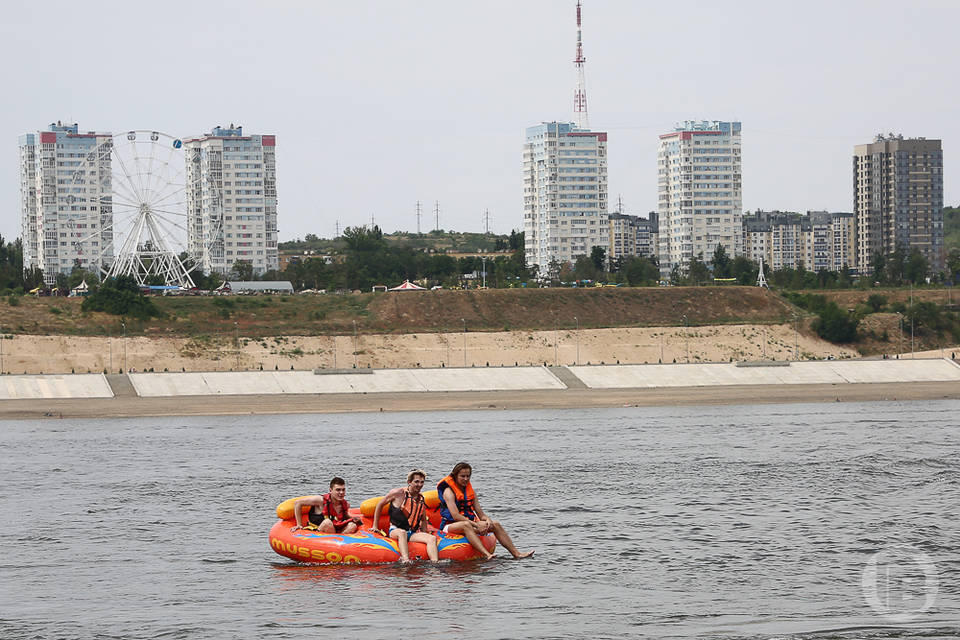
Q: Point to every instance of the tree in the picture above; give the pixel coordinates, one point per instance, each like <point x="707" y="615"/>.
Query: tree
<point x="585" y="268"/>
<point x="120" y="296"/>
<point x="744" y="270"/>
<point x="953" y="265"/>
<point x="916" y="267"/>
<point x="640" y="271"/>
<point x="242" y="270"/>
<point x="720" y="262"/>
<point x="697" y="272"/>
<point x="836" y="325"/>
<point x="598" y="256"/>
<point x="878" y="266"/>
<point x="364" y="239"/>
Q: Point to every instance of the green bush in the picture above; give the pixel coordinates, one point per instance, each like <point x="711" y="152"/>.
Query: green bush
<point x="121" y="297"/>
<point x="876" y="302"/>
<point x="56" y="310"/>
<point x="835" y="325"/>
<point x="13" y="300"/>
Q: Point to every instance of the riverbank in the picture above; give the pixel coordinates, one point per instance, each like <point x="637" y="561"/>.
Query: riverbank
<point x="34" y="354"/>
<point x="351" y="391"/>
<point x="95" y="408"/>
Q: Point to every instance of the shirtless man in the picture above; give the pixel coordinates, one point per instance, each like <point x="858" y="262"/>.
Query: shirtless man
<point x="461" y="513"/>
<point x="329" y="512"/>
<point x="408" y="516"/>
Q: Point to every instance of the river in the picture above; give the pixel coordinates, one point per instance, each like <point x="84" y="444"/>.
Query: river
<point x="807" y="521"/>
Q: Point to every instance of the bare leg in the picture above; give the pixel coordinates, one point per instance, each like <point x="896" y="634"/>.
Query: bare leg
<point x="466" y="528"/>
<point x="401" y="537"/>
<point x="504" y="538"/>
<point x="327" y="527"/>
<point x="430" y="541"/>
<point x="350" y="528"/>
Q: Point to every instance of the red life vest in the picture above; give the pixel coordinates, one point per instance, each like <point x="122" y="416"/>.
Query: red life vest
<point x="465" y="500"/>
<point x="339" y="519"/>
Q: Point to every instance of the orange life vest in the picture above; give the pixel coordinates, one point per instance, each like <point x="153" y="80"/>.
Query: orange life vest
<point x="410" y="513"/>
<point x="465" y="500"/>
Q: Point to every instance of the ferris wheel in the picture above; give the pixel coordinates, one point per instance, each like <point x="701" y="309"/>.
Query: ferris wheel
<point x="134" y="189"/>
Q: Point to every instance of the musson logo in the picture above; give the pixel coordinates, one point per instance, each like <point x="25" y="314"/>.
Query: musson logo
<point x="317" y="555"/>
<point x="900" y="583"/>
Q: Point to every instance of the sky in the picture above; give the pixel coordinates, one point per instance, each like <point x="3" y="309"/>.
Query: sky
<point x="379" y="104"/>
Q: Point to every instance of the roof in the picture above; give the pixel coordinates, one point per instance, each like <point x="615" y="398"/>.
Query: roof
<point x="260" y="285"/>
<point x="407" y="286"/>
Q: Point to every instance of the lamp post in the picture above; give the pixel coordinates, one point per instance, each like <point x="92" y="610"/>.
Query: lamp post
<point x="124" y="325"/>
<point x="556" y="342"/>
<point x="796" y="337"/>
<point x="236" y="339"/>
<point x="483" y="261"/>
<point x="577" y="320"/>
<point x="686" y="337"/>
<point x="446" y="338"/>
<point x="900" y="341"/>
<point x="355" y="345"/>
<point x="464" y="341"/>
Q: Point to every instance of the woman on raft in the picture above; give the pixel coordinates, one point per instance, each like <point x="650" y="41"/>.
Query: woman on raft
<point x="461" y="513"/>
<point x="408" y="516"/>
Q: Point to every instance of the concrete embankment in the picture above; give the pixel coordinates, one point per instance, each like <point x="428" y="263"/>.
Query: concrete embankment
<point x="219" y="393"/>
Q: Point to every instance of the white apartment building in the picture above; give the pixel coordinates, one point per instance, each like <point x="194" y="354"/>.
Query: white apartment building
<point x="631" y="236"/>
<point x="65" y="200"/>
<point x="564" y="193"/>
<point x="699" y="192"/>
<point x="819" y="240"/>
<point x="232" y="200"/>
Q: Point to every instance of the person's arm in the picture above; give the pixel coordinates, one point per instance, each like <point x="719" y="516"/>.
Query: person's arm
<point x="450" y="500"/>
<point x="376" y="511"/>
<point x="482" y="518"/>
<point x="300" y="504"/>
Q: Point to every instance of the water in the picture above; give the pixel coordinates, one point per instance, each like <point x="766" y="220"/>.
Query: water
<point x="727" y="522"/>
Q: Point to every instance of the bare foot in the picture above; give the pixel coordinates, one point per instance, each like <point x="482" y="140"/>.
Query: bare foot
<point x="489" y="556"/>
<point x="524" y="555"/>
<point x="404" y="560"/>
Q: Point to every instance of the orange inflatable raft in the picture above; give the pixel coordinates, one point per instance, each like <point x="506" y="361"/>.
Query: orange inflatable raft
<point x="364" y="546"/>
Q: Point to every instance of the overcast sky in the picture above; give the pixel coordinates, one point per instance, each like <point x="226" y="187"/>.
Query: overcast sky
<point x="379" y="104"/>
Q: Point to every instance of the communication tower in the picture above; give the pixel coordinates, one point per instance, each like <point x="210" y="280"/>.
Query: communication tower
<point x="580" y="93"/>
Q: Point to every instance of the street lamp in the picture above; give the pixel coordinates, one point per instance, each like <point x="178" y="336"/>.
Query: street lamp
<point x="355" y="346"/>
<point x="577" y="320"/>
<point x="464" y="341"/>
<point x="796" y="337"/>
<point x="236" y="332"/>
<point x="556" y="340"/>
<point x="483" y="260"/>
<point x="686" y="337"/>
<point x="124" y="325"/>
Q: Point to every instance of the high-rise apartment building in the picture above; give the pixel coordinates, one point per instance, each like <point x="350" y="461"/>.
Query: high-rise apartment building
<point x="564" y="193"/>
<point x="898" y="198"/>
<point x="699" y="192"/>
<point x="65" y="200"/>
<point x="819" y="240"/>
<point x="631" y="236"/>
<point x="232" y="199"/>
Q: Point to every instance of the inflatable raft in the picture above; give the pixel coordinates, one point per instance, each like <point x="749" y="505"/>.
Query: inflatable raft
<point x="364" y="546"/>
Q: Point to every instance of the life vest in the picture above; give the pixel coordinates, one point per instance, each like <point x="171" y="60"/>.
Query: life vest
<point x="328" y="511"/>
<point x="409" y="515"/>
<point x="465" y="500"/>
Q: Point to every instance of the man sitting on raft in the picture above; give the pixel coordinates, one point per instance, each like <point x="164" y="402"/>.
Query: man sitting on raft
<point x="461" y="513"/>
<point x="329" y="512"/>
<point x="408" y="516"/>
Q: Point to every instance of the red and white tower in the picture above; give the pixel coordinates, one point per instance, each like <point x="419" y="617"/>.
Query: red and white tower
<point x="580" y="93"/>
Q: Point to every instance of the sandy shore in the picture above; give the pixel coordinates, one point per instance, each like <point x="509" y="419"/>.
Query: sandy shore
<point x="66" y="354"/>
<point x="120" y="407"/>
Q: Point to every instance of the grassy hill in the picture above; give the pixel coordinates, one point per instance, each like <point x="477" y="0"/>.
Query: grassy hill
<point x="408" y="312"/>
